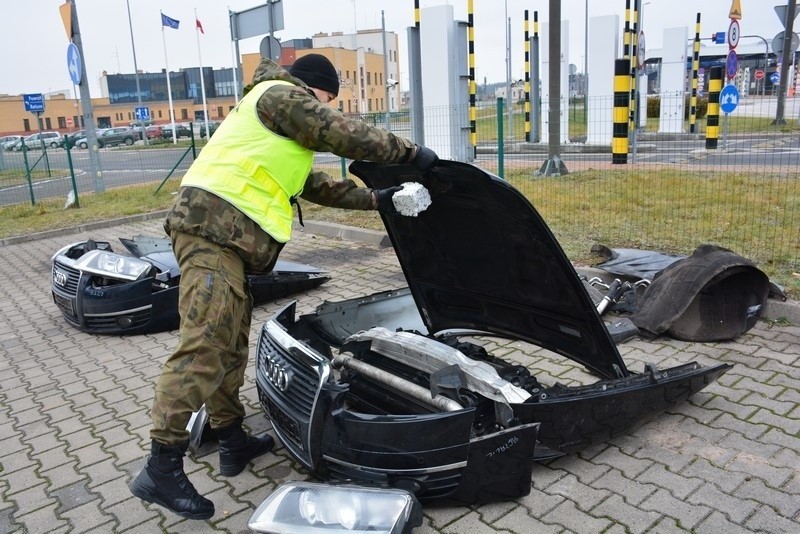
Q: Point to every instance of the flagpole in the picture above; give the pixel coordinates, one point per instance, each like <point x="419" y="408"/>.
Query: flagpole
<point x="235" y="54"/>
<point x="202" y="81"/>
<point x="169" y="86"/>
<point x="136" y="74"/>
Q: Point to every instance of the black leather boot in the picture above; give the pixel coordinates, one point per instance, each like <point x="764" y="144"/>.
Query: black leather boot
<point x="162" y="481"/>
<point x="236" y="448"/>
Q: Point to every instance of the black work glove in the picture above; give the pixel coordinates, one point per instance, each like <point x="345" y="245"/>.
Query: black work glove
<point x="424" y="158"/>
<point x="384" y="199"/>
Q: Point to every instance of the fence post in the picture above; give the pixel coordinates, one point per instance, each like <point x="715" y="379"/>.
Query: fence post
<point x="500" y="156"/>
<point x="695" y="68"/>
<point x="342" y="160"/>
<point x="194" y="149"/>
<point x="622" y="95"/>
<point x="28" y="173"/>
<point x="712" y="116"/>
<point x="68" y="148"/>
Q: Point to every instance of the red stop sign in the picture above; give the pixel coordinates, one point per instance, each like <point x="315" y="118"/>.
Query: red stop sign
<point x="759" y="74"/>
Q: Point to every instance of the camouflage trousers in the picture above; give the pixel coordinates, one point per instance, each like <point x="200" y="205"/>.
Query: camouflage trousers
<point x="209" y="362"/>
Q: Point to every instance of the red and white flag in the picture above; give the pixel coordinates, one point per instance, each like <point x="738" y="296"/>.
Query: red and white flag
<point x="199" y="26"/>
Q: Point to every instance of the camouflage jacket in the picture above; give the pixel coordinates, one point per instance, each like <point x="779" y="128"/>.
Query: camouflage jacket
<point x="291" y="111"/>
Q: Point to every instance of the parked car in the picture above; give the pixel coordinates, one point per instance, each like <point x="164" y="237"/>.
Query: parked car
<point x="7" y="141"/>
<point x="110" y="137"/>
<point x="34" y="141"/>
<point x="422" y="388"/>
<point x="212" y="127"/>
<point x="154" y="131"/>
<point x="102" y="292"/>
<point x="181" y="130"/>
<point x="74" y="136"/>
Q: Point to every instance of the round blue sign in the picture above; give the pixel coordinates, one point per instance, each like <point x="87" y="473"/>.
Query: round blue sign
<point x="728" y="98"/>
<point x="774" y="77"/>
<point x="74" y="63"/>
<point x="732" y="64"/>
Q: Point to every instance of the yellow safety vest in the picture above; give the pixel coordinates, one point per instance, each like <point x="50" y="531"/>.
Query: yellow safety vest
<point x="253" y="168"/>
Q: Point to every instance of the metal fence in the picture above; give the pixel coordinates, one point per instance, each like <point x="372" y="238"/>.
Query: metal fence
<point x="672" y="194"/>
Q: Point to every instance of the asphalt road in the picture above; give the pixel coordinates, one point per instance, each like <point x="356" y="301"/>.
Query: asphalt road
<point x="125" y="167"/>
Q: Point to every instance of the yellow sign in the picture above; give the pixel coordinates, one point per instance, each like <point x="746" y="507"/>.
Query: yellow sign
<point x="66" y="18"/>
<point x="736" y="10"/>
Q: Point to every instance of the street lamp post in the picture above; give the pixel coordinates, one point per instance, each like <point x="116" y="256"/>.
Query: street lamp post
<point x="136" y="71"/>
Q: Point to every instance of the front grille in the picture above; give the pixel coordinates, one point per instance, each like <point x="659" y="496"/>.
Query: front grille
<point x="304" y="380"/>
<point x="290" y="377"/>
<point x="73" y="277"/>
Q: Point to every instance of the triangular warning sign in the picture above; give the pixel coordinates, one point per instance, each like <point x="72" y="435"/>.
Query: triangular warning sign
<point x="736" y="10"/>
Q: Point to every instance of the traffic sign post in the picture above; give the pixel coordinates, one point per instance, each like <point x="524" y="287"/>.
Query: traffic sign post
<point x="732" y="64"/>
<point x="142" y="113"/>
<point x="34" y="102"/>
<point x="728" y="100"/>
<point x="74" y="63"/>
<point x="733" y="33"/>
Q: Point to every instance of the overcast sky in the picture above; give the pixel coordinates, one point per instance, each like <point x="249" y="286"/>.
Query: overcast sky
<point x="34" y="42"/>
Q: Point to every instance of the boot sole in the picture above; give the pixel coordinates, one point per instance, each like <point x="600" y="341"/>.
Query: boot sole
<point x="231" y="470"/>
<point x="146" y="496"/>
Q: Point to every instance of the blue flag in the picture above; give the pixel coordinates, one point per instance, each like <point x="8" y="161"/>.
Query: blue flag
<point x="169" y="22"/>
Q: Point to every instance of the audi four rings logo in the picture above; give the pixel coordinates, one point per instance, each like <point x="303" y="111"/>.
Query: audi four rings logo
<point x="277" y="375"/>
<point x="60" y="278"/>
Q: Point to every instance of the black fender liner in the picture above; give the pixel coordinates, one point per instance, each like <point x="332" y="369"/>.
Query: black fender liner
<point x="713" y="295"/>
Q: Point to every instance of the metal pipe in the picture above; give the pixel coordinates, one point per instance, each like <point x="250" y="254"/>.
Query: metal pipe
<point x="409" y="388"/>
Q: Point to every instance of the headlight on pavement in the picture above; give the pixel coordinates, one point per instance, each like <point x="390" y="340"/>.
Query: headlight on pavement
<point x="110" y="264"/>
<point x="309" y="508"/>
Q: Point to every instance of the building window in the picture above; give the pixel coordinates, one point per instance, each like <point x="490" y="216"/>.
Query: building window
<point x="62" y="122"/>
<point x="369" y="78"/>
<point x="26" y="125"/>
<point x="159" y="113"/>
<point x="369" y="105"/>
<point x="184" y="114"/>
<point x="219" y="111"/>
<point x="349" y="109"/>
<point x="48" y="124"/>
<point x="380" y="75"/>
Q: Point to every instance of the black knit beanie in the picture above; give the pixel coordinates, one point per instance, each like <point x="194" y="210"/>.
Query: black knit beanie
<point x="317" y="71"/>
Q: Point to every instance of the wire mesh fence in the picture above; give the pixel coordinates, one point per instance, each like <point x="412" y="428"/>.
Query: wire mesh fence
<point x="672" y="194"/>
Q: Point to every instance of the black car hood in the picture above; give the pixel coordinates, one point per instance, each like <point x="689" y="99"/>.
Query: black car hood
<point x="482" y="258"/>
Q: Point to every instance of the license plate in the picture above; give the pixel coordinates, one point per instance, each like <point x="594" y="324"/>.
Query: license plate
<point x="66" y="305"/>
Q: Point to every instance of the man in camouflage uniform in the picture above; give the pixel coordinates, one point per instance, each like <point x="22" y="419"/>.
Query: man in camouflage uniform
<point x="233" y="213"/>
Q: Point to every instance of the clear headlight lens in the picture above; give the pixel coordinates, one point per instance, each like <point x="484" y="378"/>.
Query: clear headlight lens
<point x="111" y="264"/>
<point x="306" y="508"/>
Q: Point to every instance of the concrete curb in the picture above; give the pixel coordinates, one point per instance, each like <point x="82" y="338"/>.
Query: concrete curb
<point x="775" y="310"/>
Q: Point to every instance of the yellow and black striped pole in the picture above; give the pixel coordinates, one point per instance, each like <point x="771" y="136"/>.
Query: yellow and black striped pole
<point x="473" y="132"/>
<point x="626" y="34"/>
<point x="416" y="13"/>
<point x="695" y="69"/>
<point x="622" y="95"/>
<point x="712" y="117"/>
<point x="527" y="82"/>
<point x="634" y="61"/>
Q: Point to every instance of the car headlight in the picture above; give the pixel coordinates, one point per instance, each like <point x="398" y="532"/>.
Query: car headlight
<point x="110" y="264"/>
<point x="306" y="507"/>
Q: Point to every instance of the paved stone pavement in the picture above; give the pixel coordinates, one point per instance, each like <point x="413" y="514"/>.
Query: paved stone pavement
<point x="74" y="424"/>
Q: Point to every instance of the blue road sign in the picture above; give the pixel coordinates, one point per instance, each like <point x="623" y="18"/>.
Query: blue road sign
<point x="74" y="63"/>
<point x="732" y="64"/>
<point x="34" y="102"/>
<point x="774" y="77"/>
<point x="142" y="113"/>
<point x="728" y="98"/>
<point x="719" y="38"/>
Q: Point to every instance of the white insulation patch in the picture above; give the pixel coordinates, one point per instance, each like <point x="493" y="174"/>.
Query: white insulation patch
<point x="412" y="200"/>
